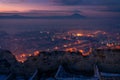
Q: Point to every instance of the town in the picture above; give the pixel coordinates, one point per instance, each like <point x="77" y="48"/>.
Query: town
<point x="26" y="44"/>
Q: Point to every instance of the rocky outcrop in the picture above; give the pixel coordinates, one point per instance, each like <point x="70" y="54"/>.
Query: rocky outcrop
<point x="108" y="60"/>
<point x="47" y="63"/>
<point x="7" y="61"/>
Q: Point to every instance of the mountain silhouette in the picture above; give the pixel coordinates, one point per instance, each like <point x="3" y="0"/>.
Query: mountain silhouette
<point x="12" y="17"/>
<point x="77" y="16"/>
<point x="73" y="16"/>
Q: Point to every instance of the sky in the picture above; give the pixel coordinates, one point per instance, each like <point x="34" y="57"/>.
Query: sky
<point x="93" y="7"/>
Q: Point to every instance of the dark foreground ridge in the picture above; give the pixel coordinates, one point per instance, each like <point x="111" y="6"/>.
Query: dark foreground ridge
<point x="62" y="65"/>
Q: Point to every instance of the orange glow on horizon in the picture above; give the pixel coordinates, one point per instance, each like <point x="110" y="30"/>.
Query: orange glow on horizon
<point x="11" y="8"/>
<point x="26" y="7"/>
<point x="8" y="7"/>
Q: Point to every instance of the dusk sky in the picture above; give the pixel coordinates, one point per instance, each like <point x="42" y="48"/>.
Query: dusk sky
<point x="87" y="7"/>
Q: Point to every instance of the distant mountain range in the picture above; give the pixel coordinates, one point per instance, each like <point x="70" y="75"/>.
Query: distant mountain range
<point x="74" y="16"/>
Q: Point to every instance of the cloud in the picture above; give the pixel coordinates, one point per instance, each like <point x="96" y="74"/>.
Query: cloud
<point x="86" y="2"/>
<point x="113" y="9"/>
<point x="72" y="2"/>
<point x="12" y="1"/>
<point x="68" y="2"/>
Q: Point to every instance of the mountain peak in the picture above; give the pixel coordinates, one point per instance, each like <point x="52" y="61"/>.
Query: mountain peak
<point x="76" y="15"/>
